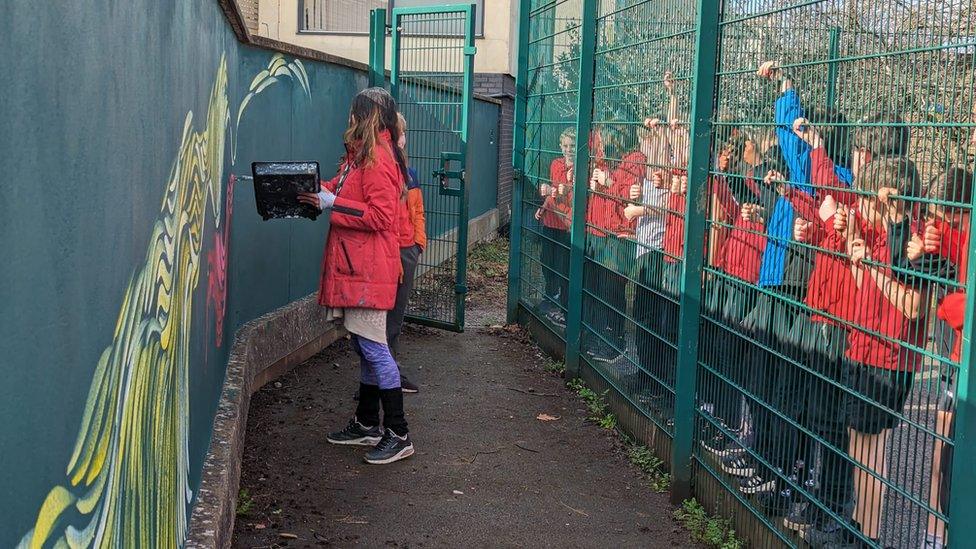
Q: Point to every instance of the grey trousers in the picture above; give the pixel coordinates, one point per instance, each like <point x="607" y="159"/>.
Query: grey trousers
<point x="409" y="257"/>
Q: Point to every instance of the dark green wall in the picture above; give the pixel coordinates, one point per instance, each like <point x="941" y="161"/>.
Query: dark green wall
<point x="93" y="101"/>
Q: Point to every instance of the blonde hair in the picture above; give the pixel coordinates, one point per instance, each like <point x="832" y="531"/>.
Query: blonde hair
<point x="401" y="123"/>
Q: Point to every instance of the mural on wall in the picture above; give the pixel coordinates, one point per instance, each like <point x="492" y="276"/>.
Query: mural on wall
<point x="126" y="483"/>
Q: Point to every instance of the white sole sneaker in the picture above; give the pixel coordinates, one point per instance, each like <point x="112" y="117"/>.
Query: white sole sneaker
<point x="365" y="441"/>
<point x="402" y="454"/>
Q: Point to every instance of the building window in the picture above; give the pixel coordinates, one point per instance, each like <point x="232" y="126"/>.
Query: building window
<point x="352" y="16"/>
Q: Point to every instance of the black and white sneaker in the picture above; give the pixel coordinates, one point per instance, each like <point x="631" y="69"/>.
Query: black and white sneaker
<point x="391" y="448"/>
<point x="557" y="318"/>
<point x="408" y="386"/>
<point x="756" y="485"/>
<point x="739" y="466"/>
<point x="356" y="434"/>
<point x="732" y="448"/>
<point x="802" y="517"/>
<point x="714" y="444"/>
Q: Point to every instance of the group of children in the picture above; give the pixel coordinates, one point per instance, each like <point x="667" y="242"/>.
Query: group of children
<point x="825" y="253"/>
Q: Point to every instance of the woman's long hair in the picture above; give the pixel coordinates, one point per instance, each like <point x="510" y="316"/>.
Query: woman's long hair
<point x="374" y="110"/>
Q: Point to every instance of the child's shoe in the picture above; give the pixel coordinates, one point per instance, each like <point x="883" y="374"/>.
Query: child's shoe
<point x="391" y="448"/>
<point x="356" y="434"/>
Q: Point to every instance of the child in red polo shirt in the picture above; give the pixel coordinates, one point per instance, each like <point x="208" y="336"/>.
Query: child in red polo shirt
<point x="943" y="247"/>
<point x="609" y="254"/>
<point x="880" y="367"/>
<point x="556" y="218"/>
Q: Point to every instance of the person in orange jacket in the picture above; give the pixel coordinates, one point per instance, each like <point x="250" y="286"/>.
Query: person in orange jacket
<point x="412" y="237"/>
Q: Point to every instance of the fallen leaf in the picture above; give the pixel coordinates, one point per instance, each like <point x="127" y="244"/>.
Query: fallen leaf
<point x="546" y="417"/>
<point x="287" y="535"/>
<point x="260" y="526"/>
<point x="458" y="493"/>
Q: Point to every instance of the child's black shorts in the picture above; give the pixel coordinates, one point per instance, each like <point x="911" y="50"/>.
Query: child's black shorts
<point x="880" y="397"/>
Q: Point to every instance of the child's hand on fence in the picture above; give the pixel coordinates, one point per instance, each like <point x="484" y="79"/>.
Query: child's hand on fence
<point x="915" y="248"/>
<point x="769" y="70"/>
<point x="538" y="214"/>
<point x="828" y="208"/>
<point x="772" y="178"/>
<point x="635" y="192"/>
<point x="752" y="213"/>
<point x="840" y="222"/>
<point x="632" y="211"/>
<point x="561" y="189"/>
<point x="658" y="180"/>
<point x="931" y="238"/>
<point x="894" y="206"/>
<point x="683" y="184"/>
<point x="569" y="175"/>
<point x="669" y="81"/>
<point x="808" y="133"/>
<point x="545" y="189"/>
<point x="858" y="251"/>
<point x="599" y="177"/>
<point x="724" y="159"/>
<point x="652" y="123"/>
<point x="801" y="229"/>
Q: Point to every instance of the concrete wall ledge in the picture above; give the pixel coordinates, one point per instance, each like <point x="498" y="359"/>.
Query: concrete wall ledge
<point x="264" y="349"/>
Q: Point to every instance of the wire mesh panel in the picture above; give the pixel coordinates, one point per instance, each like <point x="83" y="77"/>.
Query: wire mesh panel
<point x="433" y="50"/>
<point x="838" y="215"/>
<point x="836" y="218"/>
<point x="636" y="199"/>
<point x="551" y="96"/>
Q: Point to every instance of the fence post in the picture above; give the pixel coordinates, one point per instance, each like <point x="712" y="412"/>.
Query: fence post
<point x="832" y="54"/>
<point x="702" y="109"/>
<point x="581" y="178"/>
<point x="518" y="166"/>
<point x="962" y="507"/>
<point x="377" y="48"/>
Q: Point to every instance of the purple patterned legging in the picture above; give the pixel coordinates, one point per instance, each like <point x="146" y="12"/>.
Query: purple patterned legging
<point x="376" y="363"/>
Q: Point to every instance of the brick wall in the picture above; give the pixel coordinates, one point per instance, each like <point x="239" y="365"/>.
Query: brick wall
<point x="501" y="86"/>
<point x="249" y="10"/>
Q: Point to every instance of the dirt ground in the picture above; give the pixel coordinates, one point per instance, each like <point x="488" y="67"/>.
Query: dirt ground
<point x="487" y="473"/>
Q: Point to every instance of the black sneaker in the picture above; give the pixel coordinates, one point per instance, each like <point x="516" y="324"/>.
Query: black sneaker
<point x="756" y="485"/>
<point x="391" y="448"/>
<point x="408" y="386"/>
<point x="802" y="517"/>
<point x="356" y="434"/>
<point x="739" y="466"/>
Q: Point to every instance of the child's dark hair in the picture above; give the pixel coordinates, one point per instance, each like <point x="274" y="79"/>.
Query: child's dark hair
<point x="836" y="135"/>
<point x="954" y="185"/>
<point x="897" y="172"/>
<point x="890" y="139"/>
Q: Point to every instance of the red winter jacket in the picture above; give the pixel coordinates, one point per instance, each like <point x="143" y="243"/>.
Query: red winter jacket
<point x="361" y="265"/>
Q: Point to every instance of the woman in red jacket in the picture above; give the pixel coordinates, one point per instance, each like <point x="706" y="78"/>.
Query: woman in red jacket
<point x="361" y="267"/>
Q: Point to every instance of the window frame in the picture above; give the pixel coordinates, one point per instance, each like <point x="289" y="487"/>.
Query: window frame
<point x="479" y="32"/>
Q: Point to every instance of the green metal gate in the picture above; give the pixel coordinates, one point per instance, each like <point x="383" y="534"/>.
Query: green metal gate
<point x="432" y="67"/>
<point x="791" y="382"/>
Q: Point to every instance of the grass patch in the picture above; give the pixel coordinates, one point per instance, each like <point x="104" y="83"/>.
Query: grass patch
<point x="712" y="531"/>
<point x="555" y="366"/>
<point x="490" y="259"/>
<point x="244" y="502"/>
<point x="651" y="466"/>
<point x="598" y="411"/>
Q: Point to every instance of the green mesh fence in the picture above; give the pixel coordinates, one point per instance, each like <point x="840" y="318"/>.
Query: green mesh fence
<point x="822" y="378"/>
